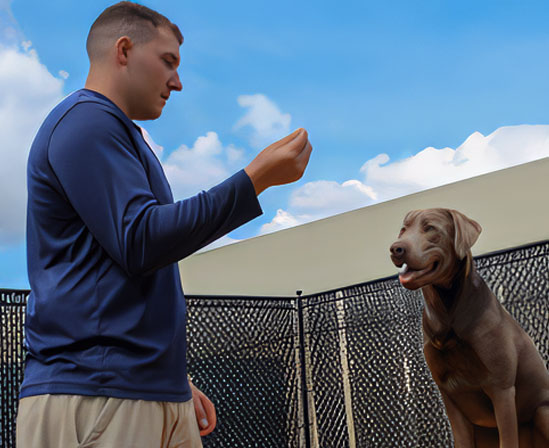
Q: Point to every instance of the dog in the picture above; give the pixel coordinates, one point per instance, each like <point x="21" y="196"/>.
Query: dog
<point x="493" y="381"/>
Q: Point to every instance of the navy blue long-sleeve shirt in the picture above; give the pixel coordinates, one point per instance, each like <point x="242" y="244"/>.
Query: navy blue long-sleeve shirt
<point x="106" y="313"/>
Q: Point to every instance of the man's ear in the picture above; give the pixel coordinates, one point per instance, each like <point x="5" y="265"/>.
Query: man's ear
<point x="123" y="45"/>
<point x="466" y="233"/>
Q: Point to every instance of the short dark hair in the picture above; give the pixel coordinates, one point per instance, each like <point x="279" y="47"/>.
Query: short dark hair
<point x="130" y="19"/>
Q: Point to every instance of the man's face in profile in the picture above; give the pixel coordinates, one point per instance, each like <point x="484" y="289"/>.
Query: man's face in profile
<point x="152" y="74"/>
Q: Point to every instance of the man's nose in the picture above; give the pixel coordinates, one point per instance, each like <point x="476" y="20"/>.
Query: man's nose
<point x="174" y="83"/>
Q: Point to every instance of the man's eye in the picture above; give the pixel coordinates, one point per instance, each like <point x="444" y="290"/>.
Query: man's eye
<point x="168" y="63"/>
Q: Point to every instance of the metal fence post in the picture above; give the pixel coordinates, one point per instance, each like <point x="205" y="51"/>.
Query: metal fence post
<point x="304" y="394"/>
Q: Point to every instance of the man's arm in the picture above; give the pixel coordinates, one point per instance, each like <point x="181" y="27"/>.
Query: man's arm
<point x="102" y="177"/>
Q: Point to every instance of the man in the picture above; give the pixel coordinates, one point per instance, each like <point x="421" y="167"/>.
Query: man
<point x="105" y="325"/>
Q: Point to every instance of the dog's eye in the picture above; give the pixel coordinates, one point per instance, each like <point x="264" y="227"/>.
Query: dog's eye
<point x="401" y="232"/>
<point x="428" y="228"/>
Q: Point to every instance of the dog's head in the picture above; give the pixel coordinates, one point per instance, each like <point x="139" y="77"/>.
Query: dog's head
<point x="431" y="246"/>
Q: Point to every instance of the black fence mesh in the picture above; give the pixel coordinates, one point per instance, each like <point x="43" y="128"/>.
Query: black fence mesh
<point x="242" y="355"/>
<point x="370" y="386"/>
<point x="12" y="321"/>
<point x="339" y="369"/>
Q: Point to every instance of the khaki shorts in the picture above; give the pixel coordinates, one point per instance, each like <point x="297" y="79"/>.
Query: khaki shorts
<point x="67" y="421"/>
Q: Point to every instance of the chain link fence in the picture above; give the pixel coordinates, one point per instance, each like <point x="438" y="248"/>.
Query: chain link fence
<point x="343" y="368"/>
<point x="12" y="322"/>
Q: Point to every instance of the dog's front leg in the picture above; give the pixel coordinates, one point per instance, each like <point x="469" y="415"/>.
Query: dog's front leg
<point x="506" y="416"/>
<point x="462" y="429"/>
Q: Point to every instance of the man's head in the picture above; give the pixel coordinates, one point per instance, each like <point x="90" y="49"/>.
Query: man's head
<point x="130" y="19"/>
<point x="134" y="55"/>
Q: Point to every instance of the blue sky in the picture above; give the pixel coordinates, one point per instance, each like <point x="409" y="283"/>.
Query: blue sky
<point x="397" y="96"/>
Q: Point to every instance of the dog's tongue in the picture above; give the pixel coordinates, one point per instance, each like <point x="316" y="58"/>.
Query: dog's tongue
<point x="406" y="275"/>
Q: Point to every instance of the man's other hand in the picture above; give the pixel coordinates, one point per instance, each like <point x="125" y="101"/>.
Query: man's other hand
<point x="204" y="410"/>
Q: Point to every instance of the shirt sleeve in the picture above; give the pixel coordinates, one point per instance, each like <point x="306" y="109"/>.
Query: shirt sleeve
<point x="102" y="177"/>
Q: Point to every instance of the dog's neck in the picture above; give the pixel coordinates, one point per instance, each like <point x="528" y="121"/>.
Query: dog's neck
<point x="448" y="295"/>
<point x="466" y="293"/>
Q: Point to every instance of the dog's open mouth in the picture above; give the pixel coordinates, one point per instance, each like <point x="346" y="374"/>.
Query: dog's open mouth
<point x="409" y="276"/>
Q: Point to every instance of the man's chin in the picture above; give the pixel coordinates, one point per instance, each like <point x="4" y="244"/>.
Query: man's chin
<point x="151" y="115"/>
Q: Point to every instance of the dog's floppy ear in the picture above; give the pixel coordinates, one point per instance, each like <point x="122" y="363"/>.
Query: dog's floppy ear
<point x="466" y="233"/>
<point x="410" y="216"/>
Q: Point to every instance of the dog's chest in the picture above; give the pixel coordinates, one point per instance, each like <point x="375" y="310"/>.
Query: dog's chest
<point x="453" y="362"/>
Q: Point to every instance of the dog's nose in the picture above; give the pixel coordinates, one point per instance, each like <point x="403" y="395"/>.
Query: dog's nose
<point x="397" y="250"/>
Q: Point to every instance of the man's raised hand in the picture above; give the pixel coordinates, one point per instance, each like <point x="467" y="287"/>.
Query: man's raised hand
<point x="282" y="162"/>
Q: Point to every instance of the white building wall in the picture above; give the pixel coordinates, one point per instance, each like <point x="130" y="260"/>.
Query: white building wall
<point x="511" y="205"/>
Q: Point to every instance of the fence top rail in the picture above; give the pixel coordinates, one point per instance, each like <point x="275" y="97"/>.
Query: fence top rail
<point x="13" y="296"/>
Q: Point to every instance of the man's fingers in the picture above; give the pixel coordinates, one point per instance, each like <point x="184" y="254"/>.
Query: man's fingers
<point x="304" y="156"/>
<point x="210" y="412"/>
<point x="297" y="133"/>
<point x="200" y="412"/>
<point x="289" y="138"/>
<point x="282" y="162"/>
<point x="302" y="160"/>
<point x="298" y="144"/>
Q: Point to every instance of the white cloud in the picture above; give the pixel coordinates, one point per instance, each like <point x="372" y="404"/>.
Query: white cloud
<point x="505" y="147"/>
<point x="29" y="91"/>
<point x="282" y="220"/>
<point x="10" y="33"/>
<point x="429" y="168"/>
<point x="234" y="154"/>
<point x="322" y="195"/>
<point x="320" y="199"/>
<point x="207" y="163"/>
<point x="265" y="119"/>
<point x="64" y="74"/>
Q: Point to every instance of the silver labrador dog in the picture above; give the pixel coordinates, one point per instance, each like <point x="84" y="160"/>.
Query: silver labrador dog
<point x="493" y="381"/>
